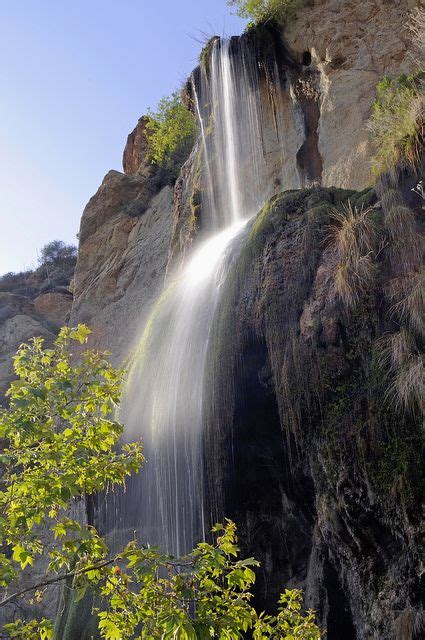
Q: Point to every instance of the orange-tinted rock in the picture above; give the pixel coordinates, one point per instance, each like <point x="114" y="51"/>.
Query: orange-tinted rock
<point x="136" y="150"/>
<point x="55" y="307"/>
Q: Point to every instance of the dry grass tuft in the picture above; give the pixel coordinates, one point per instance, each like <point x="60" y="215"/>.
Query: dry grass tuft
<point x="400" y="358"/>
<point x="355" y="238"/>
<point x="407" y="294"/>
<point x="406" y="246"/>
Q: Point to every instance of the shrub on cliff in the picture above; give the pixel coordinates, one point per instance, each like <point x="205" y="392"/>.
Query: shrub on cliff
<point x="171" y="132"/>
<point x="60" y="444"/>
<point x="397" y="122"/>
<point x="261" y="11"/>
<point x="56" y="268"/>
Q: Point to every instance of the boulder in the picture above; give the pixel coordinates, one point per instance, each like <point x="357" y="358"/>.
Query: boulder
<point x="54" y="306"/>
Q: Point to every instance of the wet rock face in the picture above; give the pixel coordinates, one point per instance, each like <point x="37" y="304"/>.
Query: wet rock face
<point x="319" y="472"/>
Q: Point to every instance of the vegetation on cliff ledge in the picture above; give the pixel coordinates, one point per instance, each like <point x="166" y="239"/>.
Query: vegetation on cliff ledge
<point x="261" y="11"/>
<point x="397" y="122"/>
<point x="55" y="269"/>
<point x="171" y="132"/>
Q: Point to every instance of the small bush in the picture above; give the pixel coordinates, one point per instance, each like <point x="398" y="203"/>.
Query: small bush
<point x="171" y="132"/>
<point x="397" y="122"/>
<point x="56" y="269"/>
<point x="406" y="245"/>
<point x="355" y="238"/>
<point x="261" y="11"/>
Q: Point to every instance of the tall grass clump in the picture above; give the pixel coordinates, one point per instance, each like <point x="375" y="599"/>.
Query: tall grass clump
<point x="407" y="294"/>
<point x="262" y="11"/>
<point x="354" y="236"/>
<point x="397" y="122"/>
<point x="402" y="360"/>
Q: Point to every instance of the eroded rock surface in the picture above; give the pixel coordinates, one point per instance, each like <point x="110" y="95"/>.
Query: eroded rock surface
<point x="122" y="260"/>
<point x="352" y="45"/>
<point x="19" y="321"/>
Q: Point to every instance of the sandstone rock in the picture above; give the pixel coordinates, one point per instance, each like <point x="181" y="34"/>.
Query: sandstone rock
<point x="121" y="262"/>
<point x="54" y="306"/>
<point x="353" y="45"/>
<point x="136" y="151"/>
<point x="19" y="321"/>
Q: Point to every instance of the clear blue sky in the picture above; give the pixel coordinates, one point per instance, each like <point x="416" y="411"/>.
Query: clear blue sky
<point x="74" y="78"/>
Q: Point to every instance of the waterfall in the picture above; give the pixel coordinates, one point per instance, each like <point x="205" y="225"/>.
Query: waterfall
<point x="163" y="397"/>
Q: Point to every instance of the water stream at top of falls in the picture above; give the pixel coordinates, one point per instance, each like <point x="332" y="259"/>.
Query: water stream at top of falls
<point x="163" y="398"/>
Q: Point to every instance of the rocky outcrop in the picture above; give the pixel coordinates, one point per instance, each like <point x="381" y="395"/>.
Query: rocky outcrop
<point x="19" y="321"/>
<point x="352" y="45"/>
<point x="54" y="306"/>
<point x="135" y="157"/>
<point x="122" y="259"/>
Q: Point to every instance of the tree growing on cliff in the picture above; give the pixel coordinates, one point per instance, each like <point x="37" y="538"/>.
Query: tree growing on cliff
<point x="171" y="132"/>
<point x="60" y="444"/>
<point x="261" y="11"/>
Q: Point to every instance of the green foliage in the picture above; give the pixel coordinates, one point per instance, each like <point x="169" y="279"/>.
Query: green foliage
<point x="261" y="11"/>
<point x="397" y="121"/>
<point x="205" y="595"/>
<point x="33" y="630"/>
<point x="60" y="443"/>
<point x="171" y="132"/>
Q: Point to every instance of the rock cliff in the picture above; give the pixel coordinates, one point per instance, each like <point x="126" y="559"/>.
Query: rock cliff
<point x="297" y="398"/>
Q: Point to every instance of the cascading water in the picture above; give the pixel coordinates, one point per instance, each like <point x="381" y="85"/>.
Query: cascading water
<point x="163" y="397"/>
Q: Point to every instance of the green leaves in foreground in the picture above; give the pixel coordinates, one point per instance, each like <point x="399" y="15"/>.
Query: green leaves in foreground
<point x="207" y="594"/>
<point x="59" y="443"/>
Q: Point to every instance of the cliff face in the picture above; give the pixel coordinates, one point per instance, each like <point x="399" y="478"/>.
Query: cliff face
<point x="22" y="318"/>
<point x="336" y="51"/>
<point x="305" y="450"/>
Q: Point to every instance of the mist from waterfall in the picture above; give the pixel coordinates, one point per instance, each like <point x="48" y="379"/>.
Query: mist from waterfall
<point x="163" y="397"/>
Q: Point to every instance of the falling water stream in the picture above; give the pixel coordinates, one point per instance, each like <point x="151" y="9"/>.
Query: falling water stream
<point x="163" y="397"/>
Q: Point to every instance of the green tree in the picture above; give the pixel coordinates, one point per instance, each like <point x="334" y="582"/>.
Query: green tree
<point x="171" y="132"/>
<point x="57" y="252"/>
<point x="261" y="11"/>
<point x="60" y="444"/>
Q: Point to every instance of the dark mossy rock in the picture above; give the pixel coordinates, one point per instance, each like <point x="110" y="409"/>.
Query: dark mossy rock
<point x="305" y="452"/>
